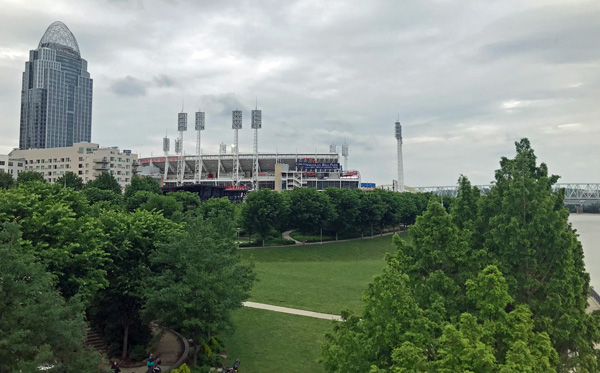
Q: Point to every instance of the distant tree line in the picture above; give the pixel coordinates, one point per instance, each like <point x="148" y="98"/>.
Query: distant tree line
<point x="340" y="212"/>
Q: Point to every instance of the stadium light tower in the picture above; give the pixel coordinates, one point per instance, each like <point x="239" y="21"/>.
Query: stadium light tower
<point x="166" y="148"/>
<point x="256" y="125"/>
<point x="181" y="126"/>
<point x="400" y="165"/>
<point x="236" y="124"/>
<point x="200" y="124"/>
<point x="345" y="155"/>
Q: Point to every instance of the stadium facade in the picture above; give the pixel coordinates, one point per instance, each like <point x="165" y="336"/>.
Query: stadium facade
<point x="275" y="171"/>
<point x="56" y="95"/>
<point x="246" y="171"/>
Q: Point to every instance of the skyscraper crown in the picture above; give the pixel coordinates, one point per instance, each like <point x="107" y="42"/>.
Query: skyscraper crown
<point x="58" y="35"/>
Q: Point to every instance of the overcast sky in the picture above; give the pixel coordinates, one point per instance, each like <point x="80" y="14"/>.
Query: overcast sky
<point x="467" y="78"/>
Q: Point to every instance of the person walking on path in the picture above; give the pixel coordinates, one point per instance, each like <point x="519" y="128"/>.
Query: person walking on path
<point x="150" y="363"/>
<point x="115" y="367"/>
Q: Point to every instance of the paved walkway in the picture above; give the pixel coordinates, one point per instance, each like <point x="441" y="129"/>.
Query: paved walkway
<point x="169" y="349"/>
<point x="287" y="235"/>
<point x="292" y="311"/>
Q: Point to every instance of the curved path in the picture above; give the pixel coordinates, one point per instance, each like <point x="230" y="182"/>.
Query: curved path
<point x="297" y="243"/>
<point x="169" y="349"/>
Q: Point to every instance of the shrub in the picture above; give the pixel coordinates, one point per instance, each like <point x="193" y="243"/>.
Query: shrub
<point x="182" y="369"/>
<point x="138" y="352"/>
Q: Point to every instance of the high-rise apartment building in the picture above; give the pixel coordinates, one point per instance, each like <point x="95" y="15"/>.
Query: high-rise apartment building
<point x="56" y="98"/>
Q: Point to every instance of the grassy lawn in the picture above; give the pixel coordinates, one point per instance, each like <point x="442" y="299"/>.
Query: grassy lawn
<point x="267" y="341"/>
<point x="324" y="278"/>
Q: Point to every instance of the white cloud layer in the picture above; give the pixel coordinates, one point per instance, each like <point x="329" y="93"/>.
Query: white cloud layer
<point x="468" y="78"/>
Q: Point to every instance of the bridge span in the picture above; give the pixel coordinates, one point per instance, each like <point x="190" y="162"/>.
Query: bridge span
<point x="575" y="193"/>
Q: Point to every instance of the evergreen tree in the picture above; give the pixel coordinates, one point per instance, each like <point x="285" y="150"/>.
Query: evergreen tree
<point x="524" y="227"/>
<point x="499" y="285"/>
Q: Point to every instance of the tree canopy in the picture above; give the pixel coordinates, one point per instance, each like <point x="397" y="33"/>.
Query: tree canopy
<point x="70" y="180"/>
<point x="497" y="285"/>
<point x="105" y="181"/>
<point x="37" y="326"/>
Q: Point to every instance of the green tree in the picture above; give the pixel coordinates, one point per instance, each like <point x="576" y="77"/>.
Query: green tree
<point x="372" y="210"/>
<point x="56" y="224"/>
<point x="525" y="313"/>
<point x="190" y="201"/>
<point x="346" y="204"/>
<point x="408" y="207"/>
<point x="137" y="184"/>
<point x="103" y="198"/>
<point x="217" y="207"/>
<point x="464" y="209"/>
<point x="133" y="237"/>
<point x="262" y="211"/>
<point x="310" y="210"/>
<point x="166" y="205"/>
<point x="37" y="326"/>
<point x="70" y="180"/>
<point x="6" y="180"/>
<point x="105" y="181"/>
<point x="199" y="281"/>
<point x="392" y="213"/>
<point x="29" y="176"/>
<point x="524" y="226"/>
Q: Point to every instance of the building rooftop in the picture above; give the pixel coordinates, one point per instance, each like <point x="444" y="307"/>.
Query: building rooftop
<point x="58" y="35"/>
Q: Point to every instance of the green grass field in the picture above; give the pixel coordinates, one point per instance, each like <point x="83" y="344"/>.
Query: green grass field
<point x="324" y="278"/>
<point x="267" y="341"/>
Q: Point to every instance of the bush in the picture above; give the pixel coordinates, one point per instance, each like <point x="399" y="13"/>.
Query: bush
<point x="138" y="353"/>
<point x="182" y="369"/>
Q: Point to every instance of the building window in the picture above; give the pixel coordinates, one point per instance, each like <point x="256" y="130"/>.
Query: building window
<point x="2" y="163"/>
<point x="80" y="151"/>
<point x="80" y="172"/>
<point x="10" y="163"/>
<point x="80" y="159"/>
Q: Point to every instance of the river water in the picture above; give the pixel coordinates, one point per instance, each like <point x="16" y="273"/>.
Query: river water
<point x="588" y="228"/>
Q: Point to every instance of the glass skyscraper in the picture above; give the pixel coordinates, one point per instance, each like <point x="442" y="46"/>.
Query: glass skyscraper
<point x="56" y="99"/>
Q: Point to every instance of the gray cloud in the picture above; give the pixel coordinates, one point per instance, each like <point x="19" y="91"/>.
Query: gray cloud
<point x="129" y="86"/>
<point x="164" y="81"/>
<point x="467" y="79"/>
